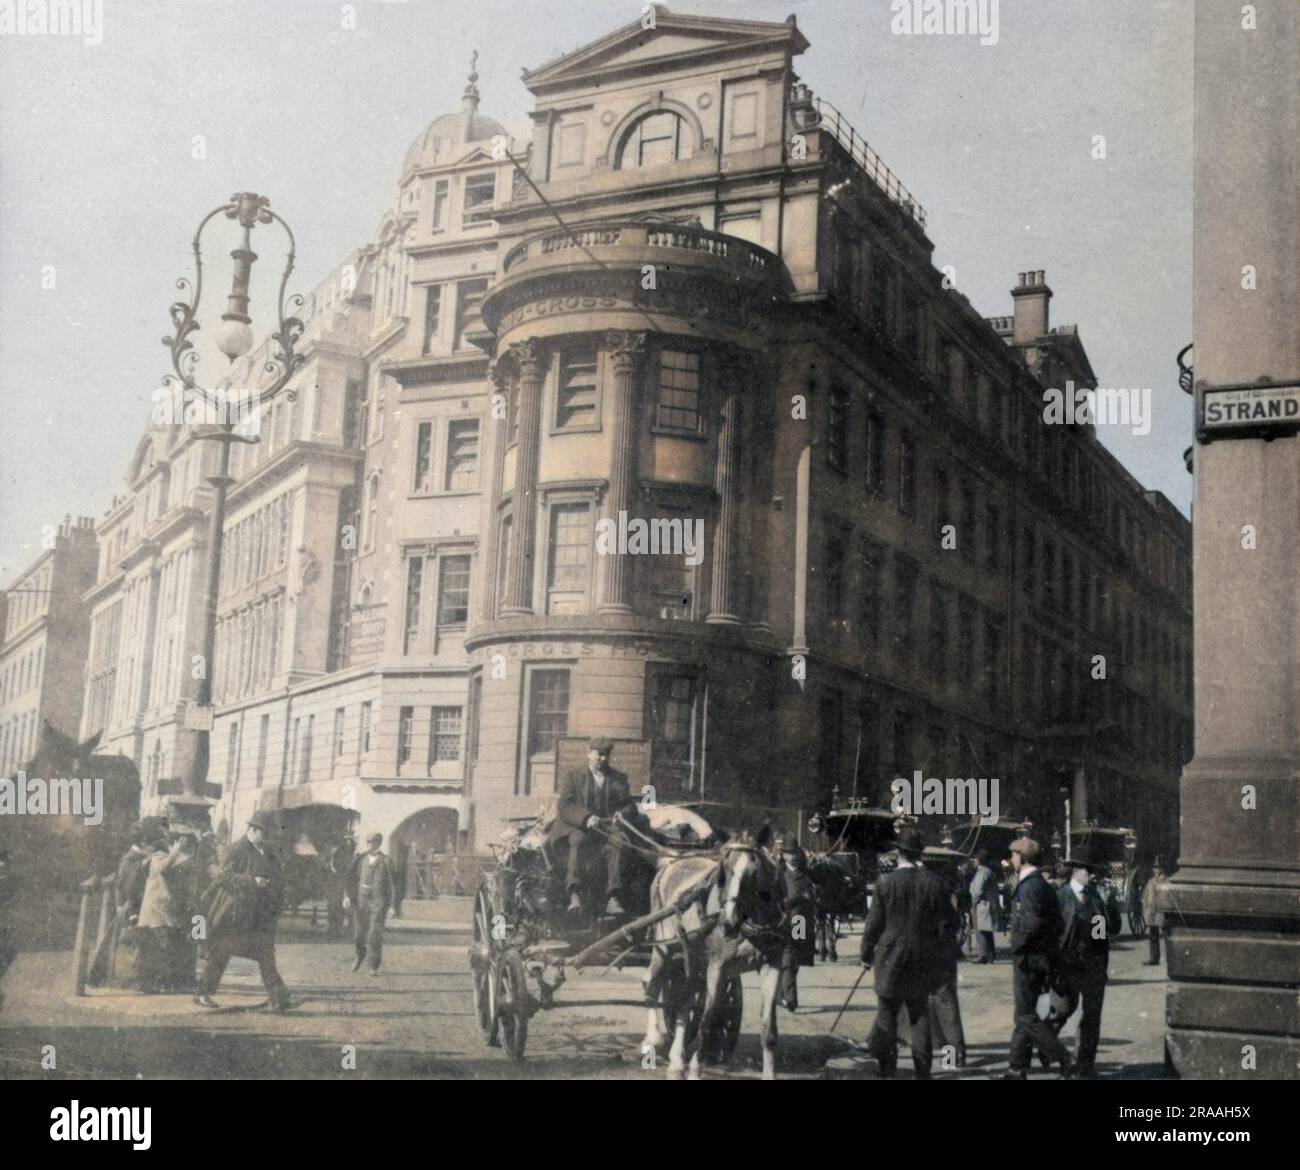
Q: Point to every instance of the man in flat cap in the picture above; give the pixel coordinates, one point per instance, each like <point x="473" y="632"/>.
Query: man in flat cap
<point x="1035" y="950"/>
<point x="906" y="936"/>
<point x="371" y="895"/>
<point x="588" y="799"/>
<point x="1088" y="920"/>
<point x="243" y="904"/>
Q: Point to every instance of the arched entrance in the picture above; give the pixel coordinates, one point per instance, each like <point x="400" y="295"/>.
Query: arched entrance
<point x="424" y="848"/>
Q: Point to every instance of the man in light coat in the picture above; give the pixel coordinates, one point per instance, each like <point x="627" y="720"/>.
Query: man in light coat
<point x="984" y="906"/>
<point x="1153" y="918"/>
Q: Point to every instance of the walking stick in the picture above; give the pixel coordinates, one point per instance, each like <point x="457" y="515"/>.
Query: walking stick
<point x="846" y="1002"/>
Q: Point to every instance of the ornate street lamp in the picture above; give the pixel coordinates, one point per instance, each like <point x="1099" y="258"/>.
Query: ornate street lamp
<point x="234" y="338"/>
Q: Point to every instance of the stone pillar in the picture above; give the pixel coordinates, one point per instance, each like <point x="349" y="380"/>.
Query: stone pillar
<point x="489" y="597"/>
<point x="1233" y="908"/>
<point x="530" y="361"/>
<point x="721" y="608"/>
<point x="626" y="352"/>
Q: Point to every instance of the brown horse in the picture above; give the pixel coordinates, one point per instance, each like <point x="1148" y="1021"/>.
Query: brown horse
<point x="730" y="920"/>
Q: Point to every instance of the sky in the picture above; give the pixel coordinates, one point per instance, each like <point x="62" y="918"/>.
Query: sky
<point x="111" y="153"/>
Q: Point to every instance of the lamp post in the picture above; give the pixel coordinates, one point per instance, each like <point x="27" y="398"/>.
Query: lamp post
<point x="234" y="338"/>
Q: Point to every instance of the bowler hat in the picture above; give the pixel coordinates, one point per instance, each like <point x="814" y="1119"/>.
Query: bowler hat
<point x="374" y="838"/>
<point x="600" y="744"/>
<point x="911" y="843"/>
<point x="262" y="819"/>
<point x="1027" y="847"/>
<point x="1083" y="859"/>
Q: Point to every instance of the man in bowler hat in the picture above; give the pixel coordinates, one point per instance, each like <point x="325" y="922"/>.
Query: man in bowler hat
<point x="243" y="904"/>
<point x="905" y="938"/>
<point x="1088" y="920"/>
<point x="1035" y="949"/>
<point x="372" y="891"/>
<point x="588" y="800"/>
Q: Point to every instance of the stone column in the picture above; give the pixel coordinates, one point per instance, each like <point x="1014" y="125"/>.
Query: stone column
<point x="530" y="361"/>
<point x="625" y="352"/>
<point x="489" y="597"/>
<point x="1232" y="911"/>
<point x="721" y="608"/>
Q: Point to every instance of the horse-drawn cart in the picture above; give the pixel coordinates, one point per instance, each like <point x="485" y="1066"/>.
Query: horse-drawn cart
<point x="522" y="931"/>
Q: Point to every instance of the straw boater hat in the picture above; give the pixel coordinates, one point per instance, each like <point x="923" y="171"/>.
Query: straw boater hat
<point x="1027" y="847"/>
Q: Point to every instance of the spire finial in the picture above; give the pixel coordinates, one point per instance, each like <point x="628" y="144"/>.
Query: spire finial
<point x="470" y="95"/>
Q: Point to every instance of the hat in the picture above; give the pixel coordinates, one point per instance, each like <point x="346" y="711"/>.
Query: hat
<point x="982" y="856"/>
<point x="1027" y="847"/>
<point x="911" y="843"/>
<point x="1083" y="859"/>
<point x="600" y="744"/>
<point x="374" y="838"/>
<point x="262" y="819"/>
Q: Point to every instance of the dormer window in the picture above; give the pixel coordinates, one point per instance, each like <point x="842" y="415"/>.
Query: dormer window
<point x="657" y="138"/>
<point x="480" y="195"/>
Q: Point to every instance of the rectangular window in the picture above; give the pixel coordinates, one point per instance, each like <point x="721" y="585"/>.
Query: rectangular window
<point x="575" y="405"/>
<point x="568" y="577"/>
<point x="875" y="452"/>
<point x="263" y="741"/>
<point x="906" y="475"/>
<point x="503" y="560"/>
<point x="363" y="737"/>
<point x="679" y="391"/>
<point x="837" y="435"/>
<point x="423" y="458"/>
<point x="440" y="194"/>
<point x="405" y="734"/>
<point x="294" y="743"/>
<point x="872" y="568"/>
<point x="308" y="736"/>
<point x="432" y="316"/>
<point x="672" y="578"/>
<point x="462" y="455"/>
<point x="469" y="295"/>
<point x="674" y="719"/>
<point x="905" y="574"/>
<point x="548" y="718"/>
<point x="340" y="716"/>
<point x="480" y="194"/>
<point x="445" y="727"/>
<point x="414" y="595"/>
<point x="453" y="591"/>
<point x="232" y="754"/>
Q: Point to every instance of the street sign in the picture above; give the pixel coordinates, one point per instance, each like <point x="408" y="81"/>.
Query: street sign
<point x="198" y="718"/>
<point x="1260" y="410"/>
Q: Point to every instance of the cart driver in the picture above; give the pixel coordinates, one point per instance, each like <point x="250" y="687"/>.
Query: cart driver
<point x="588" y="800"/>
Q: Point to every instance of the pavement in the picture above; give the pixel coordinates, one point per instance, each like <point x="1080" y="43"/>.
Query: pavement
<point x="415" y="1020"/>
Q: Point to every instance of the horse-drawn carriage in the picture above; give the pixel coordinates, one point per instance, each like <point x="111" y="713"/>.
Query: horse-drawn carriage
<point x="523" y="930"/>
<point x="846" y="844"/>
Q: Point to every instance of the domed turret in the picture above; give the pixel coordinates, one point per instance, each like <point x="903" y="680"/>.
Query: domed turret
<point x="442" y="137"/>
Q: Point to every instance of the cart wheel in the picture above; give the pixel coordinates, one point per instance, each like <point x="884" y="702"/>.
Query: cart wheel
<point x="484" y="968"/>
<point x="513" y="1003"/>
<point x="1137" y="923"/>
<point x="731" y="1010"/>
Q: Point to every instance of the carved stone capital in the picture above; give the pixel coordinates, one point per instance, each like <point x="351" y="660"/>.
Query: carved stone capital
<point x="626" y="350"/>
<point x="529" y="357"/>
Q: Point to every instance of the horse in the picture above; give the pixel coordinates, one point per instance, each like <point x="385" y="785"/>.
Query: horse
<point x="839" y="895"/>
<point x="730" y="919"/>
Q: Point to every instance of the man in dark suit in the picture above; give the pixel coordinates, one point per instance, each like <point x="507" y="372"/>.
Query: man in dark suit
<point x="905" y="938"/>
<point x="1035" y="950"/>
<point x="243" y="904"/>
<point x="371" y="894"/>
<point x="588" y="798"/>
<point x="1088" y="919"/>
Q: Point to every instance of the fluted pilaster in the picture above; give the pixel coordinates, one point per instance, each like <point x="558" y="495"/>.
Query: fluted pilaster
<point x="530" y="361"/>
<point x="625" y="352"/>
<point x="721" y="610"/>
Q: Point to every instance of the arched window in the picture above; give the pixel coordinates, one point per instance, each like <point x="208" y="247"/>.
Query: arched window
<point x="657" y="138"/>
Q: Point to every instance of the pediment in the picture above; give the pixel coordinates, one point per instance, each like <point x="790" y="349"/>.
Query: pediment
<point x="674" y="38"/>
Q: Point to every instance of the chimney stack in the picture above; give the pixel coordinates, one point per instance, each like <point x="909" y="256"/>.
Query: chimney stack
<point x="1030" y="297"/>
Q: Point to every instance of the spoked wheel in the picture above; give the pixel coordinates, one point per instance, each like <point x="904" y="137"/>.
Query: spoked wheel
<point x="726" y="1030"/>
<point x="1137" y="923"/>
<point x="513" y="1003"/>
<point x="484" y="969"/>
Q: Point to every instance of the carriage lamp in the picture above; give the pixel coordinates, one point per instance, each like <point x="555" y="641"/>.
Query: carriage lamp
<point x="234" y="339"/>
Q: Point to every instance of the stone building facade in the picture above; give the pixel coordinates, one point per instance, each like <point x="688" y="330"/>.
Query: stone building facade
<point x="45" y="625"/>
<point x="739" y="324"/>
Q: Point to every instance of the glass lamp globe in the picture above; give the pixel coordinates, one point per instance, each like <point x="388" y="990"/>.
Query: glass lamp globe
<point x="234" y="338"/>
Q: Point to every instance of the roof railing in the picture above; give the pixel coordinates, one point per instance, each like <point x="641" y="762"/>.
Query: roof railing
<point x="835" y="124"/>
